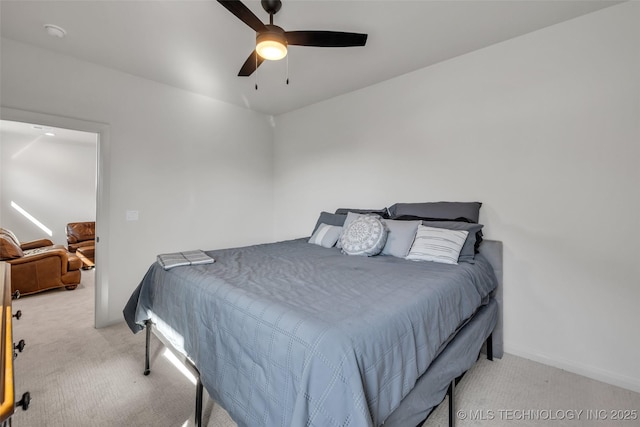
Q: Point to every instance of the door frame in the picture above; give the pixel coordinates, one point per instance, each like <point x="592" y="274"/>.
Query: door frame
<point x="102" y="195"/>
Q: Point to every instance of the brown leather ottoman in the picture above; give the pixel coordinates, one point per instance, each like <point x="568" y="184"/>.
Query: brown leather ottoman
<point x="86" y="254"/>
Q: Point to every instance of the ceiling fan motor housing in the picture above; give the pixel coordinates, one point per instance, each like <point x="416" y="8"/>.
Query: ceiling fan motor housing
<point x="271" y="6"/>
<point x="274" y="33"/>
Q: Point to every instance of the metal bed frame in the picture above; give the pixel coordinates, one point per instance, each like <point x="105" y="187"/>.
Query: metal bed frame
<point x="188" y="363"/>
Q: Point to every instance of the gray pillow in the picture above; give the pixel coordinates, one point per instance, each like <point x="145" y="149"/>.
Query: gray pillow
<point x="380" y="212"/>
<point x="326" y="235"/>
<point x="468" y="251"/>
<point x="400" y="237"/>
<point x="365" y="236"/>
<point x="351" y="216"/>
<point x="329" y="219"/>
<point x="434" y="211"/>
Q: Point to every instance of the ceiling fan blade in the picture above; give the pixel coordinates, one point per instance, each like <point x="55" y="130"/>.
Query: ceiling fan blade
<point x="250" y="65"/>
<point x="325" y="38"/>
<point x="244" y="14"/>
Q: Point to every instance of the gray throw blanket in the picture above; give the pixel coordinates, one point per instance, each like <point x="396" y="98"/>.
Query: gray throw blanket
<point x="292" y="334"/>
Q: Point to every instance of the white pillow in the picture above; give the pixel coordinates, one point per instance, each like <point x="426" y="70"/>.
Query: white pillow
<point x="326" y="235"/>
<point x="437" y="244"/>
<point x="365" y="236"/>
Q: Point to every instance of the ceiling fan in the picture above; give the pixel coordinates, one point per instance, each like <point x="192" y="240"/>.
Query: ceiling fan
<point x="272" y="41"/>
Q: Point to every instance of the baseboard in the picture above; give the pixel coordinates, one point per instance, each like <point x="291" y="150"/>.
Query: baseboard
<point x="628" y="383"/>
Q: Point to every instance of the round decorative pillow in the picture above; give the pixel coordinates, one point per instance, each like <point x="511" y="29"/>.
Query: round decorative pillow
<point x="364" y="236"/>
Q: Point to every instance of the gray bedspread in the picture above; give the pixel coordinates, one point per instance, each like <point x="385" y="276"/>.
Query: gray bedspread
<point x="293" y="334"/>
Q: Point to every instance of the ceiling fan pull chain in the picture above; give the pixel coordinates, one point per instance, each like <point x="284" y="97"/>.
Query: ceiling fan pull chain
<point x="256" y="71"/>
<point x="287" y="69"/>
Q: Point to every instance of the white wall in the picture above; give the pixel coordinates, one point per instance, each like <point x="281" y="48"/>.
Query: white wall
<point x="52" y="178"/>
<point x="199" y="171"/>
<point x="545" y="131"/>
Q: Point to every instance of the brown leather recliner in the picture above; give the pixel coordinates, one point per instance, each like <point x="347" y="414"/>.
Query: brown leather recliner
<point x="81" y="240"/>
<point x="38" y="265"/>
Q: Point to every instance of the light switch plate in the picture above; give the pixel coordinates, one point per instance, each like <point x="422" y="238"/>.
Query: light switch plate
<point x="132" y="215"/>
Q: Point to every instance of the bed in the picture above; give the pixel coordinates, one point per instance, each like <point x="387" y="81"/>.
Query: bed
<point x="296" y="334"/>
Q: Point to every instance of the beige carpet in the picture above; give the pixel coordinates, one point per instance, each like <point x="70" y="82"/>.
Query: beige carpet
<point x="81" y="376"/>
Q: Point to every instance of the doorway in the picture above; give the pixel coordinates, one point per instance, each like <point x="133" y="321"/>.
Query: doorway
<point x="52" y="142"/>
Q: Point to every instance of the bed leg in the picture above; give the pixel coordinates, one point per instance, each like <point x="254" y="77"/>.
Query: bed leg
<point x="198" y="414"/>
<point x="452" y="406"/>
<point x="146" y="350"/>
<point x="490" y="347"/>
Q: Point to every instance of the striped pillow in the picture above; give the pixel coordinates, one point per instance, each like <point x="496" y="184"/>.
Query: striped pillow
<point x="437" y="244"/>
<point x="10" y="235"/>
<point x="8" y="249"/>
<point x="326" y="235"/>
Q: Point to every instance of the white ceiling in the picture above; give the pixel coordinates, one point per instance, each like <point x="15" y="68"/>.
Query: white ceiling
<point x="32" y="132"/>
<point x="199" y="46"/>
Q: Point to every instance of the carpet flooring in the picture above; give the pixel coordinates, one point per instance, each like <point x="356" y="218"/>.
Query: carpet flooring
<point x="81" y="376"/>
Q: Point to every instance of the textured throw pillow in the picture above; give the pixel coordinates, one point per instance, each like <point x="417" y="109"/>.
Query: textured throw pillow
<point x="400" y="237"/>
<point x="468" y="252"/>
<point x="8" y="249"/>
<point x="365" y="236"/>
<point x="437" y="244"/>
<point x="351" y="216"/>
<point x="326" y="235"/>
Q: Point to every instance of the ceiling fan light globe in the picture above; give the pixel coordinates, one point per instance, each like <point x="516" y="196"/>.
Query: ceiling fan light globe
<point x="272" y="44"/>
<point x="271" y="50"/>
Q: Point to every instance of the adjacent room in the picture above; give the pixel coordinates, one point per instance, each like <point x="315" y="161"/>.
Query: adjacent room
<point x="310" y="187"/>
